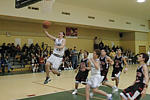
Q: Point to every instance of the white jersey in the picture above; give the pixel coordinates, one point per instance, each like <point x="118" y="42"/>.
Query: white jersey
<point x="59" y="51"/>
<point x="95" y="71"/>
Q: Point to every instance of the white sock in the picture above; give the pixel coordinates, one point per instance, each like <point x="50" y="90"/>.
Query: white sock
<point x="109" y="95"/>
<point x="136" y="94"/>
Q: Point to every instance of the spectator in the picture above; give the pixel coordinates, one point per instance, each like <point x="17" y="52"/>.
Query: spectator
<point x="80" y="56"/>
<point x="24" y="48"/>
<point x="34" y="64"/>
<point x="2" y="63"/>
<point x="7" y="63"/>
<point x="18" y="48"/>
<point x="13" y="50"/>
<point x="74" y="58"/>
<point x="96" y="43"/>
<point x="0" y="60"/>
<point x="23" y="59"/>
<point x="41" y="63"/>
<point x="67" y="53"/>
<point x="112" y="54"/>
<point x="101" y="45"/>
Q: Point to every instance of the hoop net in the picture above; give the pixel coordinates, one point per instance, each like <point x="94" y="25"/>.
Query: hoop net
<point x="47" y="6"/>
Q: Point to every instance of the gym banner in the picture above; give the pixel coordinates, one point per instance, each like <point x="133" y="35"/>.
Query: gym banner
<point x="71" y="32"/>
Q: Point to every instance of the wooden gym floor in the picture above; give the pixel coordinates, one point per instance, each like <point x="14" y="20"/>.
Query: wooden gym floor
<point x="24" y="86"/>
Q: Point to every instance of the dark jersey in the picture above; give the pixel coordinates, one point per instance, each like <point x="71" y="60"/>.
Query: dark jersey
<point x="82" y="75"/>
<point x="84" y="62"/>
<point x="118" y="63"/>
<point x="140" y="75"/>
<point x="138" y="86"/>
<point x="104" y="66"/>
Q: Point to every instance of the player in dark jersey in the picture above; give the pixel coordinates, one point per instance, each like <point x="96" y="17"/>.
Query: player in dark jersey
<point x="104" y="65"/>
<point x="83" y="71"/>
<point x="140" y="85"/>
<point x="106" y="61"/>
<point x="118" y="67"/>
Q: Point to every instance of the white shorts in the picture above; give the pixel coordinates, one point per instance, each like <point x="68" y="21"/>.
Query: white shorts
<point x="95" y="81"/>
<point x="55" y="61"/>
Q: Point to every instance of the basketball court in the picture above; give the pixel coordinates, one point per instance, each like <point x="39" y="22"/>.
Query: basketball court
<point x="31" y="87"/>
<point x="116" y="23"/>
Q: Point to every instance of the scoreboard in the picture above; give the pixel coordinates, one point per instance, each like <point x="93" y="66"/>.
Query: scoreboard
<point x="23" y="3"/>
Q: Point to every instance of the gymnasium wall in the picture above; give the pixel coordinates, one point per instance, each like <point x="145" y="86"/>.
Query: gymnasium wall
<point x="27" y="30"/>
<point x="141" y="39"/>
<point x="132" y="41"/>
<point x="128" y="41"/>
<point x="78" y="15"/>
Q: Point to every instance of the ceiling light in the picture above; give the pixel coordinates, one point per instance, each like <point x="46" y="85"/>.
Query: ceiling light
<point x="140" y="1"/>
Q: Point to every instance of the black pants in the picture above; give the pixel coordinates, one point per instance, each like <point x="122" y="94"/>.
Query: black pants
<point x="3" y="68"/>
<point x="132" y="89"/>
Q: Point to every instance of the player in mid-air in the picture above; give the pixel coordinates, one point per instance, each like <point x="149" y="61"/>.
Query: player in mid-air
<point x="55" y="60"/>
<point x="140" y="85"/>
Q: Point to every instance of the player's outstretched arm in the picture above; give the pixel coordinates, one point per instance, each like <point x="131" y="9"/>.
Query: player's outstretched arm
<point x="50" y="36"/>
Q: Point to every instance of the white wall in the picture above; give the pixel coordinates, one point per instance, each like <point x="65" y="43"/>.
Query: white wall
<point x="78" y="16"/>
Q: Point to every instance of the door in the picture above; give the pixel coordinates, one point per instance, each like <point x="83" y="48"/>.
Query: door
<point x="142" y="49"/>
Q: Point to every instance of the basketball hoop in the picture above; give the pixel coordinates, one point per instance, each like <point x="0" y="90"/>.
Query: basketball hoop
<point x="47" y="6"/>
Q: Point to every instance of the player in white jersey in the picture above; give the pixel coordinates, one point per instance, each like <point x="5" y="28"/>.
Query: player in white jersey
<point x="55" y="60"/>
<point x="96" y="77"/>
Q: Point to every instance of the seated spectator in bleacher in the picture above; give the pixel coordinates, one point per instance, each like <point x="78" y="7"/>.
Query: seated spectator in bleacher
<point x="18" y="48"/>
<point x="7" y="63"/>
<point x="34" y="63"/>
<point x="41" y="63"/>
<point x="67" y="63"/>
<point x="22" y="59"/>
<point x="45" y="52"/>
<point x="13" y="50"/>
<point x="2" y="59"/>
<point x="24" y="48"/>
<point x="8" y="49"/>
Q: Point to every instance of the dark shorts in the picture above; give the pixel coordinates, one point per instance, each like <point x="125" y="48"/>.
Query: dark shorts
<point x="115" y="71"/>
<point x="104" y="73"/>
<point x="131" y="90"/>
<point x="105" y="79"/>
<point x="81" y="77"/>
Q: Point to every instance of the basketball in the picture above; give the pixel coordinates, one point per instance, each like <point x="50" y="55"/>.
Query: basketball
<point x="46" y="24"/>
